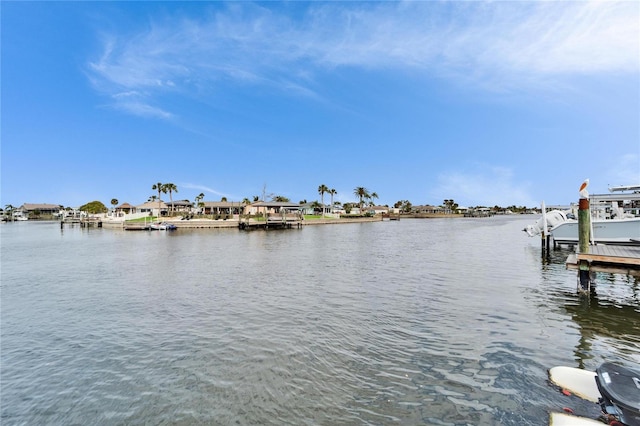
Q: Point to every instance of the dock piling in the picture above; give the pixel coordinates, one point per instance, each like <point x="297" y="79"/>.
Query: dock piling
<point x="584" y="230"/>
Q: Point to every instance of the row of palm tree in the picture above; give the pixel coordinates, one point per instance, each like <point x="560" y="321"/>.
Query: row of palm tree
<point x="363" y="195"/>
<point x="322" y="189"/>
<point x="198" y="200"/>
<point x="164" y="188"/>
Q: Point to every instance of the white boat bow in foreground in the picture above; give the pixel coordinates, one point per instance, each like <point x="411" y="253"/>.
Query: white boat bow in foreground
<point x="615" y="388"/>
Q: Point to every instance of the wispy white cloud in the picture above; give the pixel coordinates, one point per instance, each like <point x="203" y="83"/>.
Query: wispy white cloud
<point x="137" y="106"/>
<point x="491" y="45"/>
<point x="486" y="186"/>
<point x="204" y="189"/>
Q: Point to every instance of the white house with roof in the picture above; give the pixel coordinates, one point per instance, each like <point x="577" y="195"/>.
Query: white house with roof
<point x="153" y="208"/>
<point x="378" y="209"/>
<point x="33" y="209"/>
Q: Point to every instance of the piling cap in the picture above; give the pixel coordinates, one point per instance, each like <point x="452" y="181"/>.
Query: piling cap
<point x="583" y="204"/>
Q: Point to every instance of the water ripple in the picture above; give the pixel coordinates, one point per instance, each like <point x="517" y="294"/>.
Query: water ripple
<point x="435" y="322"/>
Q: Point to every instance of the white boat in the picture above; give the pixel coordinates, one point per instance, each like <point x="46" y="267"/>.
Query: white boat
<point x="603" y="231"/>
<point x="615" y="388"/>
<point x="610" y="223"/>
<point x="163" y="226"/>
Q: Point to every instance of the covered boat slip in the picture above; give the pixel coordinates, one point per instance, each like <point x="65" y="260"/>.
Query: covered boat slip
<point x="620" y="259"/>
<point x="276" y="215"/>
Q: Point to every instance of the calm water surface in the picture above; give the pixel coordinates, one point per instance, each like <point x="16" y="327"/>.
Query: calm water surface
<point x="436" y="322"/>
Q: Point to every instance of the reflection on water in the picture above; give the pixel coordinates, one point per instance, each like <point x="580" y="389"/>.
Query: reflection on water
<point x="443" y="322"/>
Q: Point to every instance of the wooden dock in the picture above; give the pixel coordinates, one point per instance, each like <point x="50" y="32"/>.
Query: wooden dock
<point x="273" y="221"/>
<point x="617" y="259"/>
<point x="87" y="222"/>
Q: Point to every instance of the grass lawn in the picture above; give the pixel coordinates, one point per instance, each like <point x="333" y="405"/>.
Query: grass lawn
<point x="143" y="219"/>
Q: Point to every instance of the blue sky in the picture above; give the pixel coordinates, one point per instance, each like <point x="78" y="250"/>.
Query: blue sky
<point x="496" y="103"/>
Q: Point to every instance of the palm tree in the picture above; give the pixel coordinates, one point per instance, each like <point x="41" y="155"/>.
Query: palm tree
<point x="362" y="193"/>
<point x="160" y="188"/>
<point x="170" y="188"/>
<point x="9" y="208"/>
<point x="198" y="200"/>
<point x="321" y="190"/>
<point x="372" y="196"/>
<point x="332" y="192"/>
<point x="451" y="205"/>
<point x="114" y="202"/>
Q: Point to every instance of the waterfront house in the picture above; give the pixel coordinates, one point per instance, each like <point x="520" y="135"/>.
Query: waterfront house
<point x="275" y="207"/>
<point x="153" y="208"/>
<point x="429" y="209"/>
<point x="181" y="206"/>
<point x="378" y="210"/>
<point x="314" y="208"/>
<point x="37" y="210"/>
<point x="223" y="207"/>
<point x="125" y="208"/>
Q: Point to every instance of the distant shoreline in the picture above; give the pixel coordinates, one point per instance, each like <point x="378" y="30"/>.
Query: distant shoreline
<point x="234" y="223"/>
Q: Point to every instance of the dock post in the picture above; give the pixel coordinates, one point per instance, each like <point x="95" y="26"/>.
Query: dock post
<point x="584" y="228"/>
<point x="545" y="234"/>
<point x="584" y="225"/>
<point x="584" y="277"/>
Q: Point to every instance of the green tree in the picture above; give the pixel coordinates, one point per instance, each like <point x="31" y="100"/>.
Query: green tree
<point x="9" y="211"/>
<point x="170" y="188"/>
<point x="160" y="188"/>
<point x="450" y="205"/>
<point x="373" y="196"/>
<point x="403" y="205"/>
<point x="363" y="194"/>
<point x="198" y="201"/>
<point x="332" y="192"/>
<point x="281" y="199"/>
<point x="114" y="202"/>
<point x="321" y="190"/>
<point x="94" y="207"/>
<point x="223" y="199"/>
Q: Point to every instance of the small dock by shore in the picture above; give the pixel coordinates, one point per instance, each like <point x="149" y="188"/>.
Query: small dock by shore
<point x="86" y="222"/>
<point x="618" y="259"/>
<point x="276" y="221"/>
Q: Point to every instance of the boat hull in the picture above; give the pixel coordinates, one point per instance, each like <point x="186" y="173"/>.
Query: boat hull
<point x="615" y="388"/>
<point x="610" y="231"/>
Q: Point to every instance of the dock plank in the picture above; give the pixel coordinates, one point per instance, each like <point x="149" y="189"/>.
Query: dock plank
<point x="609" y="258"/>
